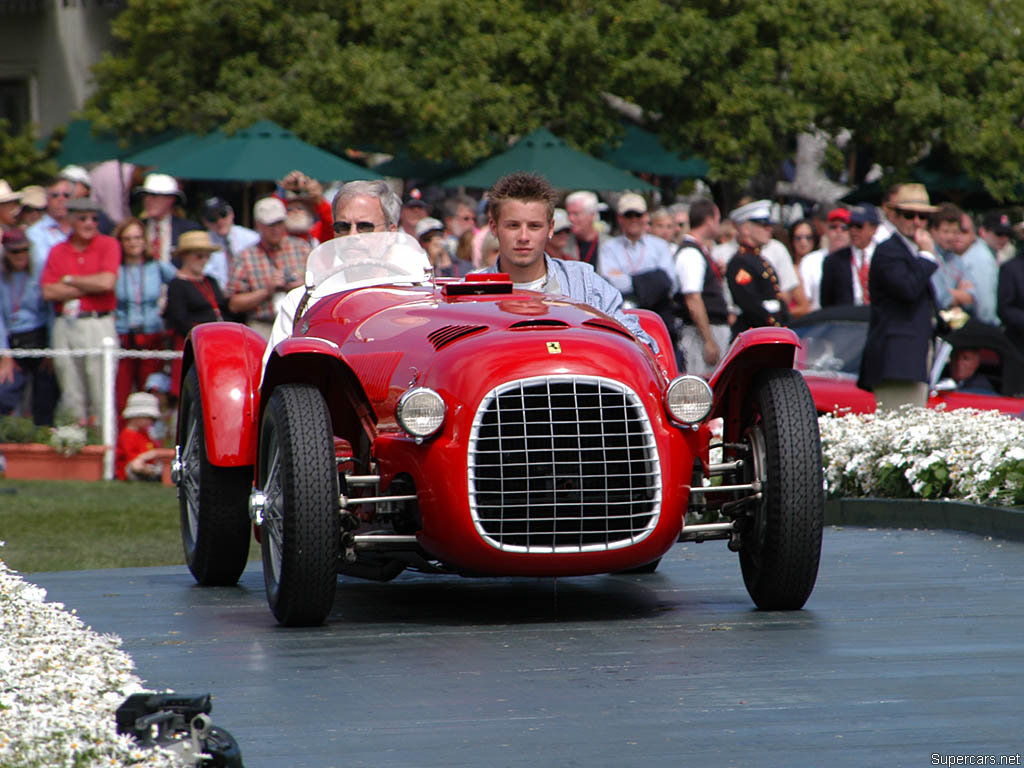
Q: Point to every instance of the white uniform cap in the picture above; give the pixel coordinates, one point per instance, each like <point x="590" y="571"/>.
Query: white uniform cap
<point x="759" y="210"/>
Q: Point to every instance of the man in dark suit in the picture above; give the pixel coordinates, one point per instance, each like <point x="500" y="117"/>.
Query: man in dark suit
<point x="844" y="273"/>
<point x="895" y="361"/>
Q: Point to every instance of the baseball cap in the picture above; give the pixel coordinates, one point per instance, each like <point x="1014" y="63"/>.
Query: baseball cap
<point x="997" y="223"/>
<point x="839" y="214"/>
<point x="864" y="214"/>
<point x="15" y="238"/>
<point x="414" y="199"/>
<point x="269" y="210"/>
<point x="429" y="224"/>
<point x="631" y="202"/>
<point x="561" y="220"/>
<point x="75" y="173"/>
<point x="215" y="207"/>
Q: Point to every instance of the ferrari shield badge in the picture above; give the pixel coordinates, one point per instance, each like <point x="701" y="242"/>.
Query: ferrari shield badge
<point x="554" y="348"/>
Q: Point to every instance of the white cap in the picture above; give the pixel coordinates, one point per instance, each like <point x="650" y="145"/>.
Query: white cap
<point x="631" y="202"/>
<point x="759" y="210"/>
<point x="160" y="184"/>
<point x="269" y="210"/>
<point x="561" y="220"/>
<point x="76" y="173"/>
<point x="428" y="224"/>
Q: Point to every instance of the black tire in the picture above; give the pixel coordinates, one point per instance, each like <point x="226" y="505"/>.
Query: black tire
<point x="782" y="547"/>
<point x="213" y="501"/>
<point x="301" y="535"/>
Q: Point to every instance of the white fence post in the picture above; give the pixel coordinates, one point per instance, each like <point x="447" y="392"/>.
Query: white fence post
<point x="109" y="417"/>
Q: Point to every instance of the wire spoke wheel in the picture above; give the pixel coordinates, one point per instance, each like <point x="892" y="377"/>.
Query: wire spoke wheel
<point x="213" y="501"/>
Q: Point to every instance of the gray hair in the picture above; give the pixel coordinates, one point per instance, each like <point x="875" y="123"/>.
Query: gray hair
<point x="679" y="208"/>
<point x="390" y="202"/>
<point x="587" y="198"/>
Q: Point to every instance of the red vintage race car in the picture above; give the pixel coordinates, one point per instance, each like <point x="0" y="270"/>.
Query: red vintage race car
<point x="462" y="426"/>
<point x="832" y="343"/>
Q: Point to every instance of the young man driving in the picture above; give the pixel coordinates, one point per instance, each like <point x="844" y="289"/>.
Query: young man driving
<point x="521" y="217"/>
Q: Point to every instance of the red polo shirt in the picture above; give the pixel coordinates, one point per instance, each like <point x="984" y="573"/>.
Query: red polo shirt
<point x="102" y="254"/>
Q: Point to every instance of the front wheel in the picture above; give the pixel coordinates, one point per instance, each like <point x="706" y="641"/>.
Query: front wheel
<point x="781" y="546"/>
<point x="213" y="501"/>
<point x="301" y="536"/>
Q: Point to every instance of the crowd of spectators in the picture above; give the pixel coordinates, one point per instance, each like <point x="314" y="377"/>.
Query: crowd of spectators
<point x="72" y="275"/>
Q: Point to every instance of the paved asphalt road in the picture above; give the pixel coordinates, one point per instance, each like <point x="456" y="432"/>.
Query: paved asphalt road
<point x="912" y="645"/>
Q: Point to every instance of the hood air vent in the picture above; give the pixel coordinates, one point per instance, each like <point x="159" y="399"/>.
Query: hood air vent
<point x="445" y="336"/>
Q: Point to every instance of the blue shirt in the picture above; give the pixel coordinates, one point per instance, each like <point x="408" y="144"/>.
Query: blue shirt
<point x="42" y="236"/>
<point x="947" y="277"/>
<point x="21" y="302"/>
<point x="981" y="269"/>
<point x="578" y="281"/>
<point x="139" y="289"/>
<point x="621" y="258"/>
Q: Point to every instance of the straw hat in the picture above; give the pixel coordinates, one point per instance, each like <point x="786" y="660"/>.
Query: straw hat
<point x="8" y="195"/>
<point x="912" y="197"/>
<point x="195" y="240"/>
<point x="141" y="405"/>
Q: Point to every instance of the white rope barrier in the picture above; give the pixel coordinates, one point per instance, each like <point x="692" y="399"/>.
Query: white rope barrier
<point x="111" y="355"/>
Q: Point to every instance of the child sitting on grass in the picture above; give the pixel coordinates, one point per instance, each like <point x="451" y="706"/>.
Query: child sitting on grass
<point x="137" y="456"/>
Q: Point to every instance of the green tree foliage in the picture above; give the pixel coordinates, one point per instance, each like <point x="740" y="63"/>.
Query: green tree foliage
<point x="734" y="80"/>
<point x="22" y="162"/>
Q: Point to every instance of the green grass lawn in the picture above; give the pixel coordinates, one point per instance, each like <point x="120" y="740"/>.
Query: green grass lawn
<point x="65" y="525"/>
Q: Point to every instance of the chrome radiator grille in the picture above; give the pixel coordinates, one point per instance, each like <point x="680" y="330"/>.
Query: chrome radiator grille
<point x="563" y="464"/>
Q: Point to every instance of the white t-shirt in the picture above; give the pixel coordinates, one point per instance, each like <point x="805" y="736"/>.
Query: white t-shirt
<point x="776" y="254"/>
<point x="810" y="275"/>
<point x="690" y="268"/>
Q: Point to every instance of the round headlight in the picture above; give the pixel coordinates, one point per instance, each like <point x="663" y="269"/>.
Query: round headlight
<point x="420" y="412"/>
<point x="688" y="399"/>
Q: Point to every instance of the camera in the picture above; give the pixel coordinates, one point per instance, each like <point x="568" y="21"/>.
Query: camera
<point x="179" y="722"/>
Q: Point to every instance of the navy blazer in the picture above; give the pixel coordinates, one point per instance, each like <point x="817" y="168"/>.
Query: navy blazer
<point x="1011" y="299"/>
<point x="902" y="311"/>
<point x="837" y="278"/>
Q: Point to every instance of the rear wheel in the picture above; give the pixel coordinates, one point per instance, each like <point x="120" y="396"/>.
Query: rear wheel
<point x="213" y="501"/>
<point x="781" y="545"/>
<point x="301" y="534"/>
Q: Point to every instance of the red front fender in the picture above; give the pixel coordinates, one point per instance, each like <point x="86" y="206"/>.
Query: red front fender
<point x="751" y="352"/>
<point x="228" y="358"/>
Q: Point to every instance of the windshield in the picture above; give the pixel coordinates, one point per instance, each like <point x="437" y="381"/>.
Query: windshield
<point x="359" y="260"/>
<point x="832" y="346"/>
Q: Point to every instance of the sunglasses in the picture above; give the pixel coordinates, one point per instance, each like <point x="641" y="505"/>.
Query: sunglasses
<point x="87" y="217"/>
<point x="632" y="215"/>
<point x="58" y="194"/>
<point x="346" y="227"/>
<point x="911" y="215"/>
<point x="838" y="225"/>
<point x="16" y="250"/>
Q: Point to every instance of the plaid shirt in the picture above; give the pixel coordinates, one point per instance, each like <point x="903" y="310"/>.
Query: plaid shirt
<point x="252" y="268"/>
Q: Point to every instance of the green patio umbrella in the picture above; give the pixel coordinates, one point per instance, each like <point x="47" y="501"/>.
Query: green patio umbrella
<point x="544" y="153"/>
<point x="643" y="152"/>
<point x="262" y="152"/>
<point x="81" y="146"/>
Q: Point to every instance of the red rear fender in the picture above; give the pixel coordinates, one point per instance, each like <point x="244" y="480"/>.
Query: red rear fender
<point x="228" y="358"/>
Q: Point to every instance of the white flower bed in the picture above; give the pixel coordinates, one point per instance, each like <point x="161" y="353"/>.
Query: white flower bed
<point x="60" y="683"/>
<point x="975" y="456"/>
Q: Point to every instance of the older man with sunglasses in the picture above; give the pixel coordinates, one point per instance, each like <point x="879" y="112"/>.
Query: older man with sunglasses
<point x="360" y="207"/>
<point x="79" y="278"/>
<point x="895" y="361"/>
